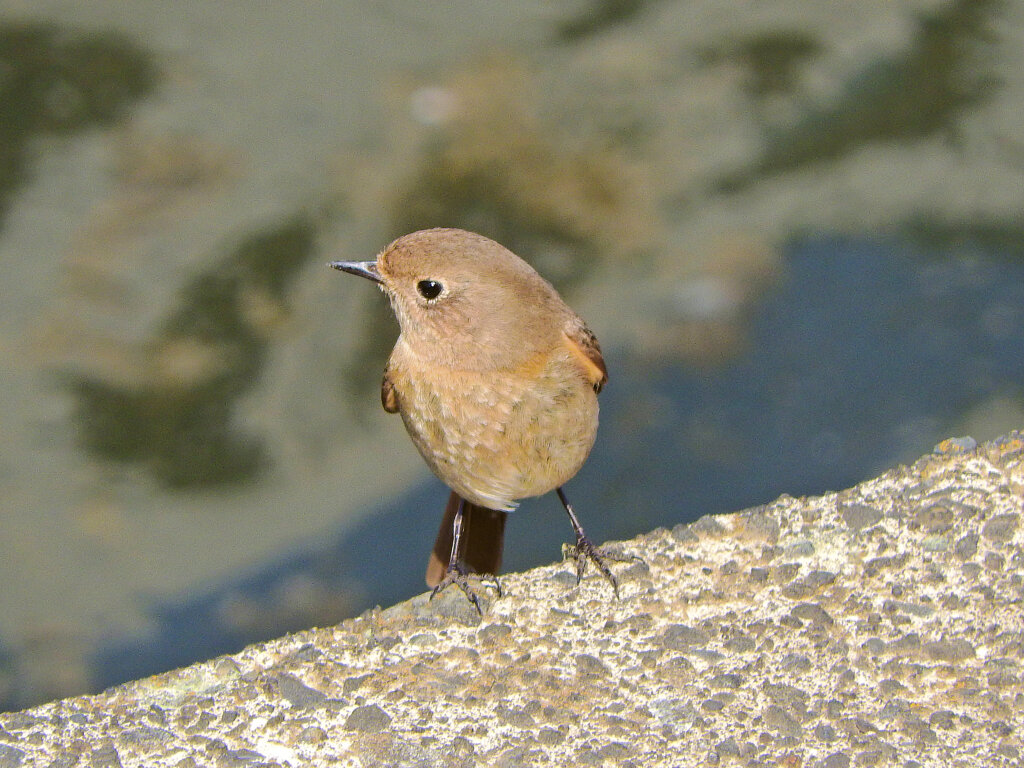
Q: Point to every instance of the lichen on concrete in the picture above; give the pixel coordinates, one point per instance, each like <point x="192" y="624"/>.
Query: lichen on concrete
<point x="879" y="625"/>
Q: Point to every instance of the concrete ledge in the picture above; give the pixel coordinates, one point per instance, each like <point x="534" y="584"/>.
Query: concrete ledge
<point x="876" y="626"/>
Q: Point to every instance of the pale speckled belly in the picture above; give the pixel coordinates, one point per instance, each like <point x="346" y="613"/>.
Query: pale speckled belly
<point x="498" y="438"/>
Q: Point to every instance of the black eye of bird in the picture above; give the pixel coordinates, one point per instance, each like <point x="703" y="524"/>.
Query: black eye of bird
<point x="429" y="289"/>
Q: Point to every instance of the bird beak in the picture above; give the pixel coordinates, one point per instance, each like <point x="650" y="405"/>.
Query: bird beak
<point x="367" y="269"/>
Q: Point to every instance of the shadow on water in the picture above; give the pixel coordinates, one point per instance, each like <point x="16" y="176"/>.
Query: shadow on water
<point x="919" y="93"/>
<point x="856" y="362"/>
<point x="55" y="82"/>
<point x="182" y="424"/>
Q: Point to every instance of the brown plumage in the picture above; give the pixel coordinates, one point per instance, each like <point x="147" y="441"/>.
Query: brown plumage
<point x="496" y="380"/>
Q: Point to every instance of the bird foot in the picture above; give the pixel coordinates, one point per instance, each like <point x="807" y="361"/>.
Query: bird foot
<point x="584" y="551"/>
<point x="459" y="575"/>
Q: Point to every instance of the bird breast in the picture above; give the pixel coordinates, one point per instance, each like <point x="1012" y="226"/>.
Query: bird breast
<point x="499" y="435"/>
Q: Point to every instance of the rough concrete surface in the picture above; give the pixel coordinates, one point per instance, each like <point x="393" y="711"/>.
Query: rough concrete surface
<point x="881" y="625"/>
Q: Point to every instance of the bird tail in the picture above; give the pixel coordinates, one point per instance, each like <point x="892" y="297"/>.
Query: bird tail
<point x="483" y="538"/>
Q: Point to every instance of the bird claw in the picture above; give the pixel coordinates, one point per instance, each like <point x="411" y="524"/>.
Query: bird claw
<point x="584" y="551"/>
<point x="459" y="575"/>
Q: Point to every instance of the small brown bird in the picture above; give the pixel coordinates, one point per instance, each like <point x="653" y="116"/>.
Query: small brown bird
<point x="496" y="380"/>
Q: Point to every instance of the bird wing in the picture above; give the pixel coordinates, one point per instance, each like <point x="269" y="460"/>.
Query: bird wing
<point x="388" y="396"/>
<point x="583" y="345"/>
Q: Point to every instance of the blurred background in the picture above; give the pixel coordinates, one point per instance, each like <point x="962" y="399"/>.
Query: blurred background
<point x="795" y="227"/>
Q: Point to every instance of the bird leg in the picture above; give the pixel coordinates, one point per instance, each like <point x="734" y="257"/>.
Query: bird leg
<point x="456" y="572"/>
<point x="585" y="550"/>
